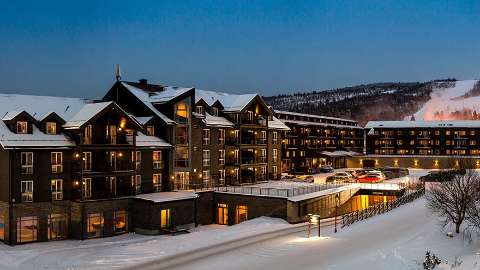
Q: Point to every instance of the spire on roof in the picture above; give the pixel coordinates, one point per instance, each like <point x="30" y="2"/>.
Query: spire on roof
<point x="118" y="73"/>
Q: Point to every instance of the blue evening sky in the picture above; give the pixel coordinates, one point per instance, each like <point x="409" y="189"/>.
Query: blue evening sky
<point x="70" y="48"/>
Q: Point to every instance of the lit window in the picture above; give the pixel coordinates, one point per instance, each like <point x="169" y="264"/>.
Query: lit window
<point x="137" y="183"/>
<point x="221" y="157"/>
<point x="95" y="223"/>
<point x="51" y="128"/>
<point x="241" y="213"/>
<point x="27" y="229"/>
<point x="27" y="191"/>
<point x="157" y="160"/>
<point x="87" y="188"/>
<point x="87" y="161"/>
<point x="206" y="178"/>
<point x="57" y="189"/>
<point x="181" y="113"/>
<point x="200" y="110"/>
<point x="56" y="158"/>
<point x="27" y="162"/>
<point x="157" y="182"/>
<point x="87" y="135"/>
<point x="221" y="136"/>
<point x="165" y="219"/>
<point x="120" y="221"/>
<point x="222" y="214"/>
<point x="22" y="127"/>
<point x="57" y="226"/>
<point x="206" y="136"/>
<point x="206" y="157"/>
<point x="150" y="130"/>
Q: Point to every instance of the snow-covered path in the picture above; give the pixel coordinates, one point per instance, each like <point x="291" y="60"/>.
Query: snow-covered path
<point x="396" y="240"/>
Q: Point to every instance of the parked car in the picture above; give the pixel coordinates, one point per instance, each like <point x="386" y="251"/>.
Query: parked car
<point x="302" y="170"/>
<point x="340" y="176"/>
<point x="305" y="178"/>
<point x="286" y="176"/>
<point x="326" y="169"/>
<point x="394" y="172"/>
<point x="371" y="177"/>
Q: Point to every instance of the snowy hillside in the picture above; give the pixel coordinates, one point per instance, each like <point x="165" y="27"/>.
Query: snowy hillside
<point x="458" y="100"/>
<point x="385" y="101"/>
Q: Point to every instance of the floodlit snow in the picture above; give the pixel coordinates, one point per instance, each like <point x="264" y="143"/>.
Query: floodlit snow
<point x="448" y="100"/>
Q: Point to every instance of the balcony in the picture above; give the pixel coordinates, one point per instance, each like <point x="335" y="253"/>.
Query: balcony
<point x="248" y="160"/>
<point x="262" y="159"/>
<point x="232" y="141"/>
<point x="181" y="163"/>
<point x="182" y="140"/>
<point x="261" y="141"/>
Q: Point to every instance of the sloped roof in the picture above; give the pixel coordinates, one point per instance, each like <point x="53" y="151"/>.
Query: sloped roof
<point x="9" y="139"/>
<point x="275" y="123"/>
<point x="230" y="102"/>
<point x="86" y="113"/>
<point x="424" y="124"/>
<point x="143" y="140"/>
<point x="142" y="120"/>
<point x="11" y="115"/>
<point x="216" y="121"/>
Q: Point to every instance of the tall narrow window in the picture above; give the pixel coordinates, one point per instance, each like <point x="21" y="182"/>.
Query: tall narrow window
<point x="221" y="136"/>
<point x="112" y="134"/>
<point x="27" y="191"/>
<point x="221" y="177"/>
<point x="137" y="159"/>
<point x="221" y="157"/>
<point x="137" y="183"/>
<point x="56" y="188"/>
<point x="206" y="157"/>
<point x="215" y="111"/>
<point x="275" y="172"/>
<point x="263" y="138"/>
<point x="112" y="185"/>
<point x="51" y="128"/>
<point x="222" y="214"/>
<point x="157" y="182"/>
<point x="57" y="226"/>
<point x="275" y="137"/>
<point x="27" y="162"/>
<point x="200" y="110"/>
<point x="274" y="155"/>
<point x="87" y="161"/>
<point x="87" y="188"/>
<point x="120" y="221"/>
<point x="165" y="219"/>
<point x="56" y="158"/>
<point x="181" y="113"/>
<point x="206" y="178"/>
<point x="87" y="135"/>
<point x="2" y="227"/>
<point x="206" y="136"/>
<point x="95" y="223"/>
<point x="22" y="127"/>
<point x="263" y="155"/>
<point x="157" y="160"/>
<point x="241" y="214"/>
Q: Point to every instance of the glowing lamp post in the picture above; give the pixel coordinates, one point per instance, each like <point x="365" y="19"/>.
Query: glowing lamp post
<point x="312" y="220"/>
<point x="337" y="203"/>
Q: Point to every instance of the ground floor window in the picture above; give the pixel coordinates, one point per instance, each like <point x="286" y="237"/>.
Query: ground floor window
<point x="2" y="227"/>
<point x="165" y="218"/>
<point x="27" y="229"/>
<point x="222" y="214"/>
<point x="95" y="224"/>
<point x="241" y="213"/>
<point x="120" y="221"/>
<point x="57" y="226"/>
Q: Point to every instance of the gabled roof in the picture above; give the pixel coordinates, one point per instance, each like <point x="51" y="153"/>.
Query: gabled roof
<point x="230" y="102"/>
<point x="9" y="139"/>
<point x="143" y="140"/>
<point x="275" y="123"/>
<point x="52" y="114"/>
<point x="216" y="121"/>
<point x="144" y="97"/>
<point x="91" y="110"/>
<point x="11" y="115"/>
<point x="142" y="120"/>
<point x="424" y="124"/>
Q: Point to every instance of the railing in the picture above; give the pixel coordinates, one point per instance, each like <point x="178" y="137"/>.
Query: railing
<point x="377" y="209"/>
<point x="278" y="192"/>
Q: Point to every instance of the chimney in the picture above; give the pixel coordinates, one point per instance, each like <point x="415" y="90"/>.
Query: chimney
<point x="143" y="81"/>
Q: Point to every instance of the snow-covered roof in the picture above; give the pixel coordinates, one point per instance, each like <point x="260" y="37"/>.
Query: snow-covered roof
<point x="143" y="140"/>
<point x="340" y="153"/>
<point x="11" y="115"/>
<point x="39" y="106"/>
<point x="275" y="123"/>
<point x="314" y="116"/>
<point x="144" y="97"/>
<point x="86" y="113"/>
<point x="9" y="139"/>
<point x="424" y="124"/>
<point x="142" y="120"/>
<point x="307" y="123"/>
<point x="230" y="102"/>
<point x="216" y="121"/>
<point x="167" y="196"/>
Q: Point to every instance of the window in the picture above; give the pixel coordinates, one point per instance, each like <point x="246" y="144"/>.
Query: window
<point x="200" y="109"/>
<point x="206" y="157"/>
<point x="87" y="188"/>
<point x="150" y="130"/>
<point x="275" y="137"/>
<point x="274" y="155"/>
<point x="165" y="219"/>
<point x="95" y="223"/>
<point x="157" y="182"/>
<point x="87" y="135"/>
<point x="263" y="138"/>
<point x="206" y="136"/>
<point x="56" y="158"/>
<point x="57" y="226"/>
<point x="250" y="116"/>
<point x="222" y="214"/>
<point x="56" y="188"/>
<point x="2" y="227"/>
<point x="274" y="172"/>
<point x="27" y="162"/>
<point x="137" y="183"/>
<point x="112" y="134"/>
<point x="221" y="177"/>
<point x="157" y="160"/>
<point x="241" y="214"/>
<point x="87" y="161"/>
<point x="51" y="128"/>
<point x="221" y="157"/>
<point x="112" y="185"/>
<point x="27" y="191"/>
<point x="206" y="178"/>
<point x="22" y="127"/>
<point x="221" y="136"/>
<point x="215" y="111"/>
<point x="120" y="221"/>
<point x="181" y="113"/>
<point x="137" y="159"/>
<point x="263" y="156"/>
<point x="27" y="229"/>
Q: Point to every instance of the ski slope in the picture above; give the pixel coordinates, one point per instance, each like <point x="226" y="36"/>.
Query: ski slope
<point x="448" y="100"/>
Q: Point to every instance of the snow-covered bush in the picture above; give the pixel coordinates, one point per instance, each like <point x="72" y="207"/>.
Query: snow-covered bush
<point x="431" y="261"/>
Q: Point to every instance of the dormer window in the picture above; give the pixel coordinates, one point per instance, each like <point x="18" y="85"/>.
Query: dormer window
<point x="150" y="130"/>
<point x="200" y="110"/>
<point x="51" y="128"/>
<point x="22" y="127"/>
<point x="215" y="111"/>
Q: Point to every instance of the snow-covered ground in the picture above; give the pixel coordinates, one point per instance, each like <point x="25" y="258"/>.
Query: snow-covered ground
<point x="121" y="251"/>
<point x="448" y="100"/>
<point x="397" y="240"/>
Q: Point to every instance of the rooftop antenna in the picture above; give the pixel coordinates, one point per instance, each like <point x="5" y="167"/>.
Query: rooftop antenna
<point x="118" y="73"/>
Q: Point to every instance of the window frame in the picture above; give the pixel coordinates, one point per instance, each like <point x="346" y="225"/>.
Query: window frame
<point x="56" y="166"/>
<point x="26" y="190"/>
<point x="22" y="127"/>
<point x="56" y="189"/>
<point x="48" y="128"/>
<point x="27" y="166"/>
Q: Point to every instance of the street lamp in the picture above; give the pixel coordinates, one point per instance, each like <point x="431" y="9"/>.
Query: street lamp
<point x="313" y="219"/>
<point x="337" y="203"/>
